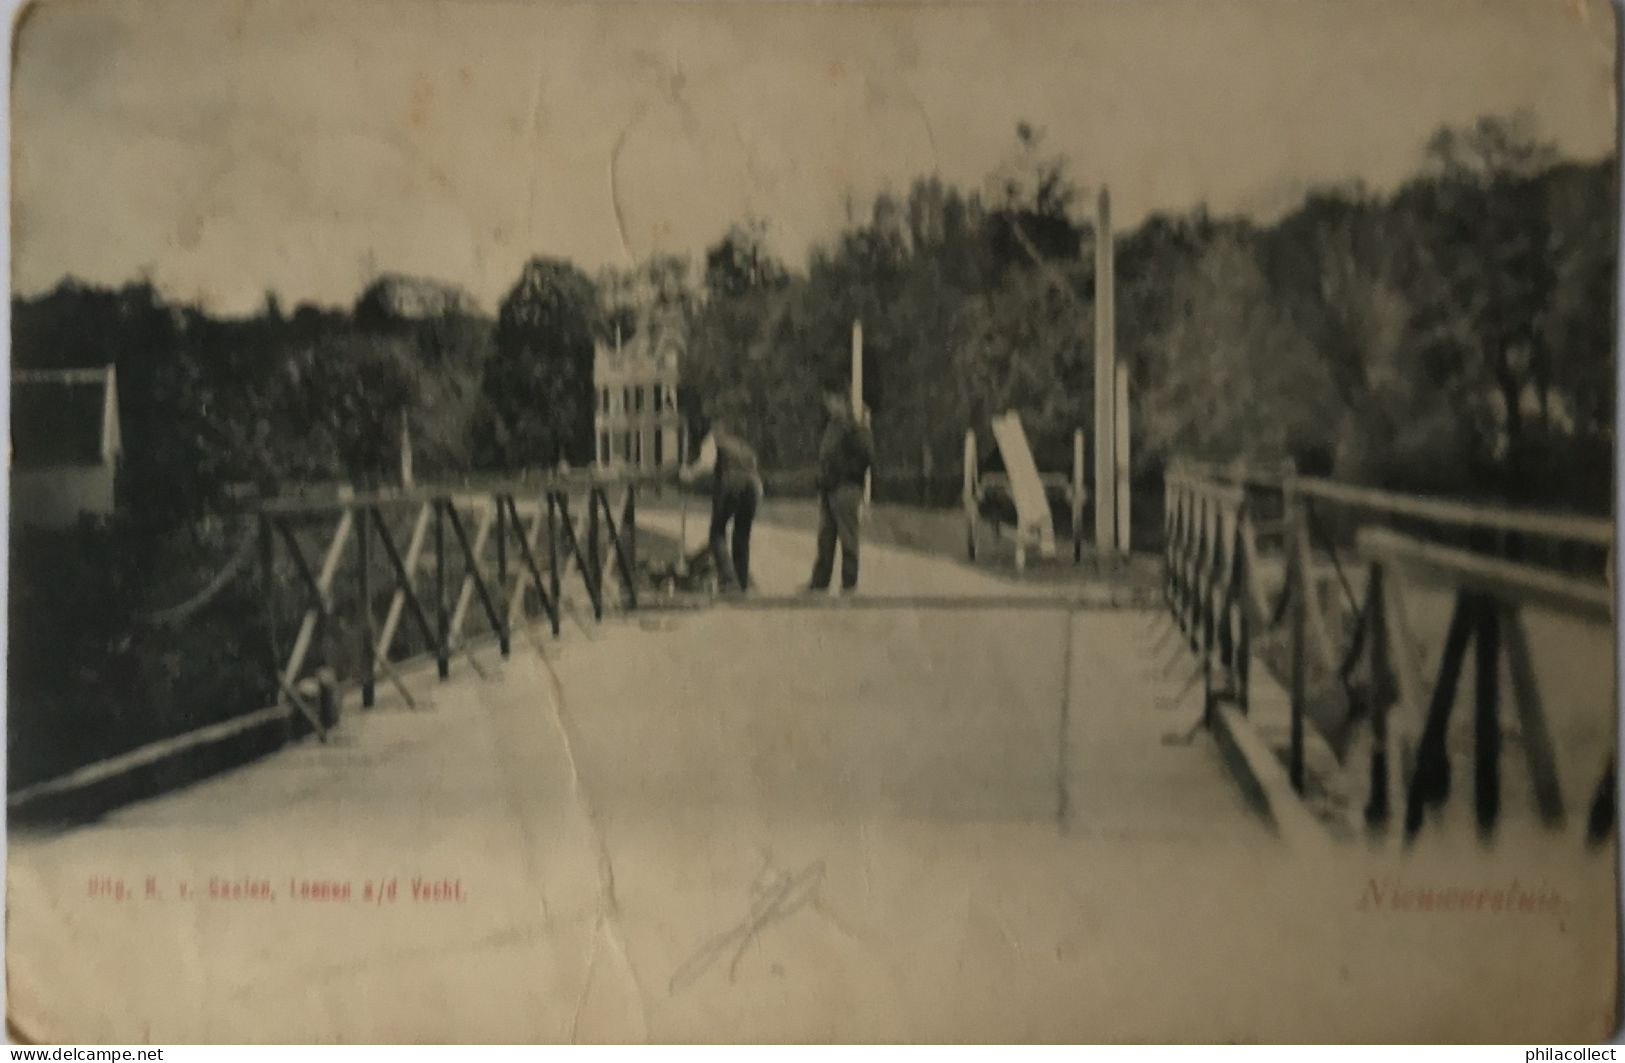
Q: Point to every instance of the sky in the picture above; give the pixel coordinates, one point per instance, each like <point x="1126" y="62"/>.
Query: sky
<point x="230" y="148"/>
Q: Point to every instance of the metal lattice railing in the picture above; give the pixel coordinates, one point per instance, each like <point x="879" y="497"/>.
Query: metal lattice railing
<point x="1382" y="545"/>
<point x="499" y="547"/>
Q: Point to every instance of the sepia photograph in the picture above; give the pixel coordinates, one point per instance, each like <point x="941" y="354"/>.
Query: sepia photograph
<point x="762" y="521"/>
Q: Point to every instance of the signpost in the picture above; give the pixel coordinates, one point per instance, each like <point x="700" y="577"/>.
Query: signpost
<point x="1033" y="521"/>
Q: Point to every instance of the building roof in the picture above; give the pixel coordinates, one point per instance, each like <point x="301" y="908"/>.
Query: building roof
<point x="64" y="417"/>
<point x="658" y="343"/>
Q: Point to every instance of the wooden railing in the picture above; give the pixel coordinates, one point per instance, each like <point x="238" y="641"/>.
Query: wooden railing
<point x="1210" y="580"/>
<point x="525" y="544"/>
<point x="512" y="550"/>
<point x="1220" y="523"/>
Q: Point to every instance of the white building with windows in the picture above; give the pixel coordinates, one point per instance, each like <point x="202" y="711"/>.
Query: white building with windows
<point x="636" y="423"/>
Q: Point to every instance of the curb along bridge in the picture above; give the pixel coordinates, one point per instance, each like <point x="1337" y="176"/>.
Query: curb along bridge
<point x="588" y="748"/>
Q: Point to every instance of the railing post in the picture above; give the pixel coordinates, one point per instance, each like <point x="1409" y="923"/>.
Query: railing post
<point x="1239" y="577"/>
<point x="1189" y="559"/>
<point x="553" y="582"/>
<point x="1199" y="561"/>
<point x="1193" y="570"/>
<point x="629" y="540"/>
<point x="1196" y="516"/>
<point x="1187" y="567"/>
<point x="442" y="647"/>
<point x="1600" y="817"/>
<point x="1205" y="604"/>
<point x="328" y="619"/>
<point x="1224" y="631"/>
<point x="502" y="568"/>
<point x="1378" y="805"/>
<point x="268" y="591"/>
<point x="595" y="571"/>
<point x="1297" y="579"/>
<point x="1186" y="556"/>
<point x="364" y="586"/>
<point x="1487" y="717"/>
<point x="1169" y="524"/>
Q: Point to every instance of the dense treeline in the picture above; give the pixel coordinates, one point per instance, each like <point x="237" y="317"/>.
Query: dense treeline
<point x="1455" y="336"/>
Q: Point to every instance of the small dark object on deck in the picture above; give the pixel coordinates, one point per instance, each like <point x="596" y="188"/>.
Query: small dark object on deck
<point x="1600" y="823"/>
<point x="696" y="574"/>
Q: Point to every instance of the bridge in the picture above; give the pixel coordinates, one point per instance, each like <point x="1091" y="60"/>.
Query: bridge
<point x="505" y="787"/>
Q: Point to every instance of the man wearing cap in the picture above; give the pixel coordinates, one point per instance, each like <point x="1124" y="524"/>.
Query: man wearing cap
<point x="736" y="489"/>
<point x="844" y="456"/>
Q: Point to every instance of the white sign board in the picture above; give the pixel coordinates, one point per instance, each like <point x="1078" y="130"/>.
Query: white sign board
<point x="1026" y="489"/>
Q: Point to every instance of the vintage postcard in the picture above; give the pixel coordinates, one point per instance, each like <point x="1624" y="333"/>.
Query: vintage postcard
<point x="712" y="522"/>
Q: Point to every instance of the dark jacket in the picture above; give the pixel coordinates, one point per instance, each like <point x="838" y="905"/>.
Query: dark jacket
<point x="845" y="453"/>
<point x="736" y="464"/>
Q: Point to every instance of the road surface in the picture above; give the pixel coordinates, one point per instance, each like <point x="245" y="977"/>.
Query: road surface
<point x="811" y="824"/>
<point x="782" y="560"/>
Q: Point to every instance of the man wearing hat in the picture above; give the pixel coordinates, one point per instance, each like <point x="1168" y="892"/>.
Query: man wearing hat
<point x="844" y="456"/>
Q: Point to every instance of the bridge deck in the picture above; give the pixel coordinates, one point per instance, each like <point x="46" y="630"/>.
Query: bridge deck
<point x="797" y="825"/>
<point x="782" y="559"/>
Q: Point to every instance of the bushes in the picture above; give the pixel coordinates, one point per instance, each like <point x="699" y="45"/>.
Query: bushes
<point x="87" y="679"/>
<point x="92" y="675"/>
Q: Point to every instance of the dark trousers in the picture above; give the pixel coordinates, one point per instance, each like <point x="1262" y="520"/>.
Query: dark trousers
<point x="734" y="504"/>
<point x="838" y="522"/>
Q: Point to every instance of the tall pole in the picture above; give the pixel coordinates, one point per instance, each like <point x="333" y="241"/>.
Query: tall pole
<point x="1105" y="383"/>
<point x="857" y="370"/>
<point x="859" y="413"/>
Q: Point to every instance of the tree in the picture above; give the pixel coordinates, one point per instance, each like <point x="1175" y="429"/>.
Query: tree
<point x="1580" y="324"/>
<point x="740" y="262"/>
<point x="739" y="362"/>
<point x="538" y="382"/>
<point x="1330" y="268"/>
<point x="1482" y="278"/>
<point x="347" y="396"/>
<point x="1024" y="348"/>
<point x="1239" y="379"/>
<point x="1033" y="196"/>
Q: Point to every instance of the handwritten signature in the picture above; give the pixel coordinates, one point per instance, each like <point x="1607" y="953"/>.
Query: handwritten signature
<point x="775" y="896"/>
